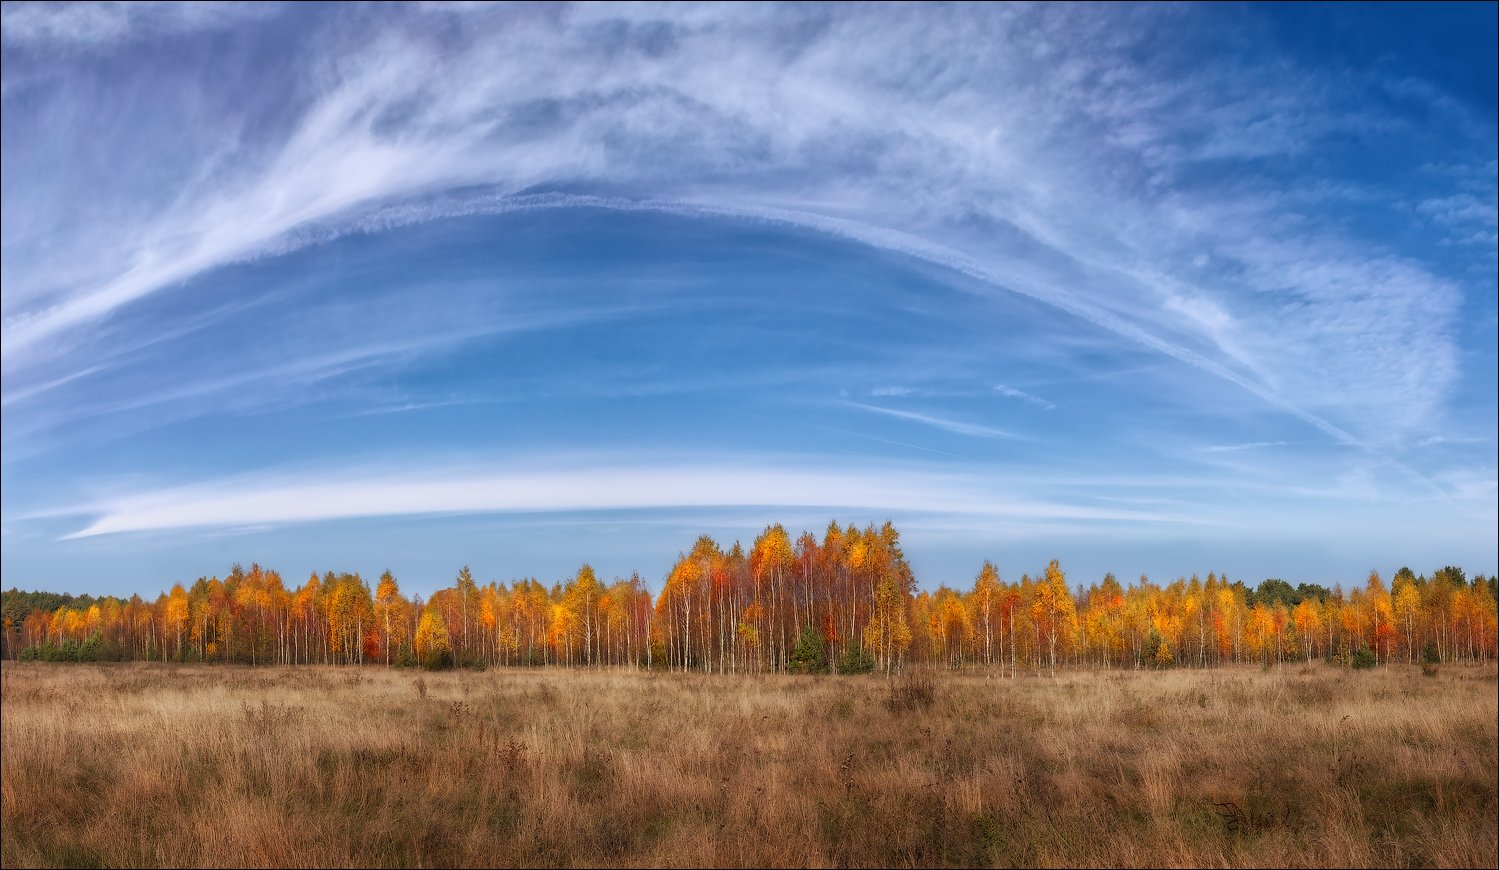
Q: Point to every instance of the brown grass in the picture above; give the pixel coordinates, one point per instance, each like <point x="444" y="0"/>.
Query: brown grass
<point x="151" y="765"/>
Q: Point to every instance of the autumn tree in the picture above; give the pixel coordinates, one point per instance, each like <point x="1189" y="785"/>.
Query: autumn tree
<point x="985" y="602"/>
<point x="389" y="612"/>
<point x="1054" y="612"/>
<point x="432" y="647"/>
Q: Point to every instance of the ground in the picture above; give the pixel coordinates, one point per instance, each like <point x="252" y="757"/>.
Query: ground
<point x="162" y="765"/>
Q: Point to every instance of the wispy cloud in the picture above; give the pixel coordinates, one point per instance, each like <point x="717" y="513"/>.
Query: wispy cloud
<point x="1452" y="439"/>
<point x="1472" y="219"/>
<point x="85" y="24"/>
<point x="632" y="485"/>
<point x="972" y="429"/>
<point x="1234" y="448"/>
<point x="279" y="372"/>
<point x="1012" y="393"/>
<point x="408" y="117"/>
<point x="408" y="406"/>
<point x="973" y="201"/>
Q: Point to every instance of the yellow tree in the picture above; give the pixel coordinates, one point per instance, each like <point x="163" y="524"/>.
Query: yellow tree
<point x="1194" y="615"/>
<point x="582" y="601"/>
<point x="1354" y="619"/>
<point x="350" y="611"/>
<point x="1307" y="620"/>
<point x="199" y="604"/>
<point x="610" y="621"/>
<point x="957" y="626"/>
<point x="1261" y="627"/>
<point x="771" y="561"/>
<point x="1054" y="611"/>
<point x="674" y="611"/>
<point x="176" y="614"/>
<point x="985" y="600"/>
<point x="1382" y="613"/>
<point x="1407" y="608"/>
<point x="1103" y="618"/>
<point x="562" y="630"/>
<point x="431" y="642"/>
<point x="1228" y="616"/>
<point x="888" y="632"/>
<point x="390" y="612"/>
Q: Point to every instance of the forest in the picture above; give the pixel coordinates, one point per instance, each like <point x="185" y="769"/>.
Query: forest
<point x="848" y="603"/>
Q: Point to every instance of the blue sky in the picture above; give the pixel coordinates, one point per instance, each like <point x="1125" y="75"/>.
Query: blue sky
<point x="1150" y="289"/>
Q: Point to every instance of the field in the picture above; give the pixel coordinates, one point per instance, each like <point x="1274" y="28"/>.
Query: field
<point x="151" y="765"/>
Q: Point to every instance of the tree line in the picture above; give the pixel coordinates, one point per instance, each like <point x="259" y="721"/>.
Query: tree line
<point x="845" y="603"/>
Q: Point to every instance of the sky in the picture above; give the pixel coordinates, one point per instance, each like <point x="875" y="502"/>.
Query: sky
<point x="1149" y="289"/>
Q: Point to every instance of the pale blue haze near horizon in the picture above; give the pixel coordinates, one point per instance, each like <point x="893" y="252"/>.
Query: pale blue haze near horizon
<point x="1148" y="289"/>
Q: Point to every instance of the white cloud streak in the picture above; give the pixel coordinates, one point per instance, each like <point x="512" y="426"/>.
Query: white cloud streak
<point x="971" y="429"/>
<point x="1012" y="393"/>
<point x="290" y="498"/>
<point x="1250" y="445"/>
<point x="1434" y="440"/>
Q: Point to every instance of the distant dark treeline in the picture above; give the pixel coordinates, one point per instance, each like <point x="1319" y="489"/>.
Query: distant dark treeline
<point x="846" y="603"/>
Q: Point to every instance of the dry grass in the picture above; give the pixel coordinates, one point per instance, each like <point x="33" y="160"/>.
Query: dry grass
<point x="151" y="765"/>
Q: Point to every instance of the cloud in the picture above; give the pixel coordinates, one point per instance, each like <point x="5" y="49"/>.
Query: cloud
<point x="972" y="429"/>
<point x="1252" y="445"/>
<point x="1472" y="219"/>
<point x="553" y="486"/>
<point x="53" y="25"/>
<point x="1012" y="393"/>
<point x="1475" y="484"/>
<point x="381" y="337"/>
<point x="1076" y="172"/>
<point x="1433" y="440"/>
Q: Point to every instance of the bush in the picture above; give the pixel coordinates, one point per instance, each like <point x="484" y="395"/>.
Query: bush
<point x="1364" y="658"/>
<point x="1430" y="654"/>
<point x="1158" y="651"/>
<point x="67" y="651"/>
<point x="807" y="657"/>
<point x="89" y="651"/>
<point x="439" y="659"/>
<point x="855" y="660"/>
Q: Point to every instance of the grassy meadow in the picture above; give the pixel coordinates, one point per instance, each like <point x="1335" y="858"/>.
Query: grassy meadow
<point x="162" y="765"/>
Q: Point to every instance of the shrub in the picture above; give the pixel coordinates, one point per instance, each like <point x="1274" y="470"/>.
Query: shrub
<point x="855" y="660"/>
<point x="67" y="651"/>
<point x="807" y="657"/>
<point x="89" y="651"/>
<point x="1158" y="651"/>
<point x="1364" y="658"/>
<point x="1430" y="654"/>
<point x="438" y="659"/>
